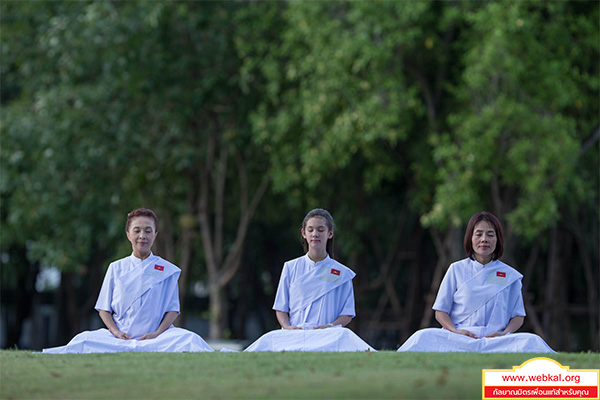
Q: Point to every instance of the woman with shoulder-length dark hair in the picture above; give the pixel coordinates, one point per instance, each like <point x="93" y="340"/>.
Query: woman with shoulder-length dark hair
<point x="479" y="303"/>
<point x="138" y="301"/>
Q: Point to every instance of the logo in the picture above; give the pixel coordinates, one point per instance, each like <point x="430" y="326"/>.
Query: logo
<point x="501" y="274"/>
<point x="159" y="267"/>
<point x="335" y="272"/>
<point x="540" y="378"/>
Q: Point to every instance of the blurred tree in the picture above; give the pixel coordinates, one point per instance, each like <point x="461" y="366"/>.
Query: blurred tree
<point x="389" y="111"/>
<point x="55" y="176"/>
<point x="518" y="143"/>
<point x="402" y="118"/>
<point x="353" y="91"/>
<point x="145" y="98"/>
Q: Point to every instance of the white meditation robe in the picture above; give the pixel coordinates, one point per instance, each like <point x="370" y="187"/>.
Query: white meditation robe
<point x="481" y="299"/>
<point x="138" y="293"/>
<point x="313" y="294"/>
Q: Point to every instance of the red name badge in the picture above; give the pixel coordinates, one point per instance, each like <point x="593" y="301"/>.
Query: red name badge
<point x="501" y="274"/>
<point x="335" y="271"/>
<point x="159" y="267"/>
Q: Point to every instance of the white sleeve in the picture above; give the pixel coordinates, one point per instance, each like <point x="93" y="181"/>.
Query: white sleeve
<point x="105" y="297"/>
<point x="173" y="288"/>
<point x="445" y="296"/>
<point x="516" y="297"/>
<point x="348" y="306"/>
<point x="282" y="298"/>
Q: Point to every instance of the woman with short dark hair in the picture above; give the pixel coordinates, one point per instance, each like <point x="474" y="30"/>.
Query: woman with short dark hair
<point x="138" y="302"/>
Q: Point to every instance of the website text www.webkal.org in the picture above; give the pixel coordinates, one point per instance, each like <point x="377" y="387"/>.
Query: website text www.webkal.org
<point x="575" y="378"/>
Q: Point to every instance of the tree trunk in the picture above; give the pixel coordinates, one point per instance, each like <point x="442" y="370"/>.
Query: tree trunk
<point x="68" y="315"/>
<point x="592" y="290"/>
<point x="185" y="244"/>
<point x="22" y="297"/>
<point x="532" y="315"/>
<point x="222" y="267"/>
<point x="551" y="279"/>
<point x="447" y="251"/>
<point x="412" y="308"/>
<point x="218" y="311"/>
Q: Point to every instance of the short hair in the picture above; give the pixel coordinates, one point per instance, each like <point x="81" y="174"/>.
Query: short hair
<point x="141" y="212"/>
<point x="320" y="213"/>
<point x="491" y="218"/>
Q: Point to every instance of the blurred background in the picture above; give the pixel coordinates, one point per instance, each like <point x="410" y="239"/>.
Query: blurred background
<point x="233" y="119"/>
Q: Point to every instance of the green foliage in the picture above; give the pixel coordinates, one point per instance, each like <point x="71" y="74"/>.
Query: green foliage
<point x="60" y="151"/>
<point x="397" y="116"/>
<point x="133" y="89"/>
<point x="112" y="103"/>
<point x="514" y="146"/>
<point x="336" y="94"/>
<point x="342" y="121"/>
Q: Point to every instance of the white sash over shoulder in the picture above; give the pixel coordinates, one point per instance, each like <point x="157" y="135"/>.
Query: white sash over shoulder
<point x="481" y="288"/>
<point x="139" y="280"/>
<point x="321" y="280"/>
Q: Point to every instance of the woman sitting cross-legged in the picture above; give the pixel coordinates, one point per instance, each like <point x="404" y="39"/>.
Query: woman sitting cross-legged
<point x="479" y="303"/>
<point x="315" y="298"/>
<point x="138" y="301"/>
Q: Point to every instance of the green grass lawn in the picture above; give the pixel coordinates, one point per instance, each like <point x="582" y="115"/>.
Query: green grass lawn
<point x="381" y="375"/>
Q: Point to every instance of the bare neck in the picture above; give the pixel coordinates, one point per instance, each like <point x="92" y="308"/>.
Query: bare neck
<point x="317" y="256"/>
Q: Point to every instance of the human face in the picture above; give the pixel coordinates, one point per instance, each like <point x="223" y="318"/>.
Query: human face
<point x="316" y="234"/>
<point x="484" y="241"/>
<point x="141" y="234"/>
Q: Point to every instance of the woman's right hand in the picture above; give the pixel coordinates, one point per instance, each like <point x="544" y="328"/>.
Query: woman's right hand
<point x="120" y="335"/>
<point x="284" y="320"/>
<point x="106" y="317"/>
<point x="444" y="319"/>
<point x="466" y="333"/>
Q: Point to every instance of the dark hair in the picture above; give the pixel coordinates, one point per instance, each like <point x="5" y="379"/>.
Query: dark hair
<point x="491" y="218"/>
<point x="320" y="213"/>
<point x="141" y="212"/>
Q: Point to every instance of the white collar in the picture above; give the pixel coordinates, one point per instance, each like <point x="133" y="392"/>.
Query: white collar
<point x="138" y="261"/>
<point x="311" y="262"/>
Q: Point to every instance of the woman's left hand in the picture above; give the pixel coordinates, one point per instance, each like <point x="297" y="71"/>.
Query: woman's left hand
<point x="324" y="326"/>
<point x="149" y="336"/>
<point x="496" y="334"/>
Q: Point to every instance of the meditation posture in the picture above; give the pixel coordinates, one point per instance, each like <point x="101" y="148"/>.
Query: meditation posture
<point x="138" y="301"/>
<point x="479" y="303"/>
<point x="315" y="298"/>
